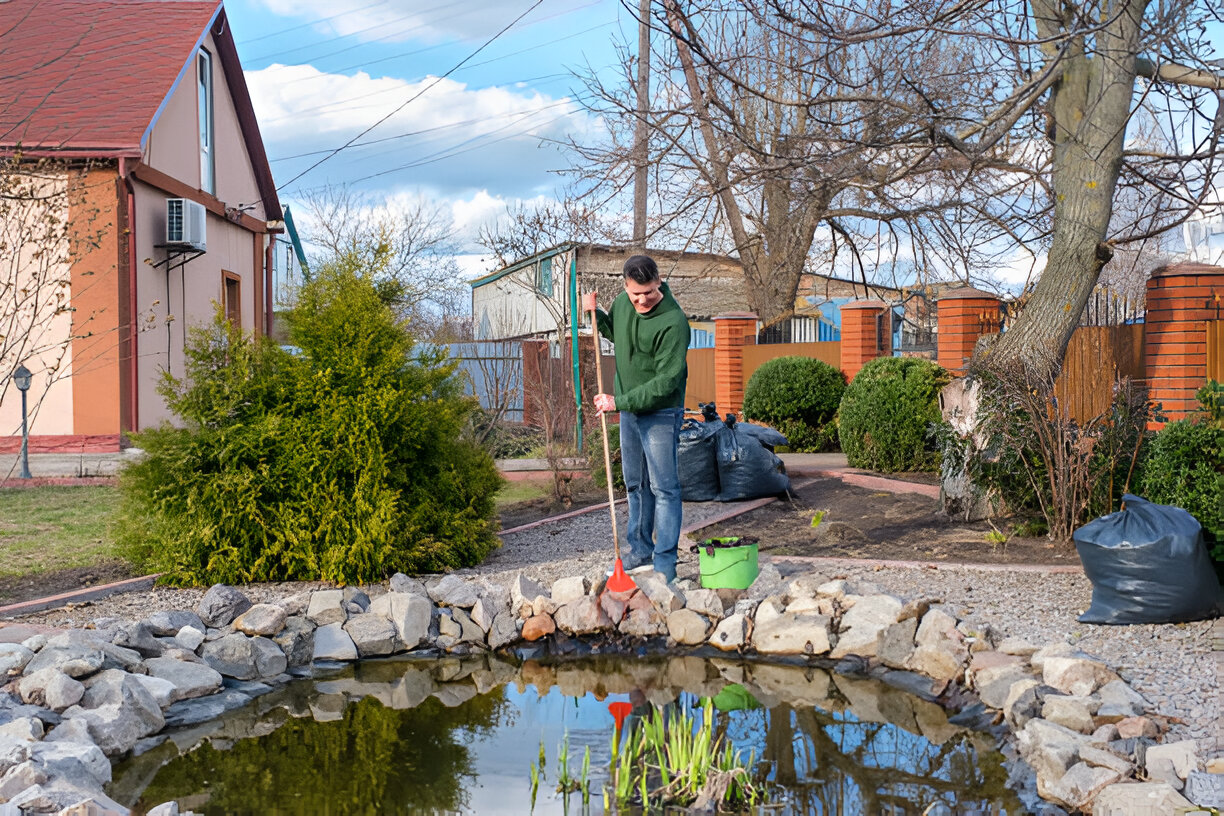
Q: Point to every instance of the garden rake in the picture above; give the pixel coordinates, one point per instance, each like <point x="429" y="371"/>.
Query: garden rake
<point x="619" y="581"/>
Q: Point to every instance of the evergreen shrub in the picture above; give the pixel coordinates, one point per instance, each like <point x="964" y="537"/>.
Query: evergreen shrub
<point x="1183" y="465"/>
<point x="343" y="462"/>
<point x="799" y="397"/>
<point x="886" y="414"/>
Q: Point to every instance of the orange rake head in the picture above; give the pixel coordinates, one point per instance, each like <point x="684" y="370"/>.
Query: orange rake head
<point x="619" y="580"/>
<point x="619" y="712"/>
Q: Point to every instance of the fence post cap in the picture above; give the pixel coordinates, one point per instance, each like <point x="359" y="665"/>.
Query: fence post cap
<point x="968" y="293"/>
<point x="865" y="304"/>
<point x="737" y="316"/>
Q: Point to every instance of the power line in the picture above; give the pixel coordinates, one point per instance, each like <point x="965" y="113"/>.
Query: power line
<point x="310" y="23"/>
<point x="416" y="95"/>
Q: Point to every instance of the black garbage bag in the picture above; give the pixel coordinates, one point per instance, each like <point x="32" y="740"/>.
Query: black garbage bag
<point x="697" y="463"/>
<point x="766" y="436"/>
<point x="1147" y="564"/>
<point x="746" y="468"/>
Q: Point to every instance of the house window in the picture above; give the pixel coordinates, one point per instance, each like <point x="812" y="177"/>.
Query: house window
<point x="232" y="298"/>
<point x="544" y="277"/>
<point x="204" y="86"/>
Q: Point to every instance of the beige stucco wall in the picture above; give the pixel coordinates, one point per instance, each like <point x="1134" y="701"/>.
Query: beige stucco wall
<point x="174" y="144"/>
<point x="35" y="295"/>
<point x="170" y="301"/>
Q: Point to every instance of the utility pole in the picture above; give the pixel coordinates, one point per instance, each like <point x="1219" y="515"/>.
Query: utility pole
<point x="641" y="154"/>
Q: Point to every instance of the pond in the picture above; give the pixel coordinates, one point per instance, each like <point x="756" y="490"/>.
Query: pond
<point x="461" y="736"/>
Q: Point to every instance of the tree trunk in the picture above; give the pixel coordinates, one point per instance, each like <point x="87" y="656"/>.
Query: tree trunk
<point x="1090" y="107"/>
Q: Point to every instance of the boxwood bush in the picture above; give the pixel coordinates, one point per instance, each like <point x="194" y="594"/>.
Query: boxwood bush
<point x="886" y="413"/>
<point x="798" y="396"/>
<point x="343" y="462"/>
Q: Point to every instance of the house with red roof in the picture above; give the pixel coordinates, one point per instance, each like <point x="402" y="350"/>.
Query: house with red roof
<point x="128" y="122"/>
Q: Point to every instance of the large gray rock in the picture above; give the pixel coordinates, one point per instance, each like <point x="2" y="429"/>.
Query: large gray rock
<point x="1104" y="758"/>
<point x="296" y="640"/>
<point x="1079" y="785"/>
<point x="327" y="607"/>
<point x="567" y="590"/>
<point x="139" y="638"/>
<point x="1205" y="789"/>
<point x="940" y="651"/>
<point x="55" y="755"/>
<point x="504" y="630"/>
<point x="1139" y="799"/>
<point x="1120" y="700"/>
<point x="232" y="655"/>
<point x="22" y="729"/>
<point x="221" y="604"/>
<point x="269" y="659"/>
<point x="1049" y="748"/>
<point x="189" y="638"/>
<point x="168" y="623"/>
<point x="864" y="624"/>
<point x="75" y="661"/>
<point x="118" y="711"/>
<point x="581" y="616"/>
<point x="409" y="613"/>
<point x="113" y="657"/>
<point x="524" y="590"/>
<point x="705" y="602"/>
<point x="730" y="633"/>
<point x="469" y="632"/>
<point x="485" y="610"/>
<point x="897" y="643"/>
<point x="189" y="679"/>
<point x="13" y="658"/>
<point x="687" y="627"/>
<point x="331" y="642"/>
<point x="19" y="777"/>
<point x="261" y="620"/>
<point x="788" y="633"/>
<point x="452" y="590"/>
<point x="51" y="688"/>
<point x="162" y="690"/>
<point x="406" y="583"/>
<point x="372" y="634"/>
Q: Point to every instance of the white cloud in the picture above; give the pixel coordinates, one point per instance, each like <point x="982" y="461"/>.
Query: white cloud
<point x="452" y="138"/>
<point x="393" y="21"/>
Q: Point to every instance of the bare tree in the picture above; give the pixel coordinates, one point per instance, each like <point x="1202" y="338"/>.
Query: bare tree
<point x="411" y="245"/>
<point x="527" y="229"/>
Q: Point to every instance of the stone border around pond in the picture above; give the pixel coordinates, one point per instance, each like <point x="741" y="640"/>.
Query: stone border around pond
<point x="1077" y="736"/>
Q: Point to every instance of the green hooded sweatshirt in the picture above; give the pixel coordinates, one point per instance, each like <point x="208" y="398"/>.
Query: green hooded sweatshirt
<point x="651" y="352"/>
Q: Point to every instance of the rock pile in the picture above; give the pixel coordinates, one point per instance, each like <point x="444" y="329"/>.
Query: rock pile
<point x="79" y="697"/>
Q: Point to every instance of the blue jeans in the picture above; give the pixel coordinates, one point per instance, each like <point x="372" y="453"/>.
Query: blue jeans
<point x="648" y="458"/>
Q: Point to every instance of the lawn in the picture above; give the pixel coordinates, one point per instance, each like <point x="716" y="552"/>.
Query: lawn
<point x="521" y="491"/>
<point x="43" y="529"/>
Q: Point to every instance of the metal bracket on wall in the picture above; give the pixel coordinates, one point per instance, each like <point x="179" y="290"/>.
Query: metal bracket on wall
<point x="176" y="258"/>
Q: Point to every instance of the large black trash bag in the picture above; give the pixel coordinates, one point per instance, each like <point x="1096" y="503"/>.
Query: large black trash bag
<point x="696" y="462"/>
<point x="1147" y="564"/>
<point x="746" y="468"/>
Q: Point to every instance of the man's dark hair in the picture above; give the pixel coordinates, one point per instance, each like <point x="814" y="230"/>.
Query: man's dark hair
<point x="641" y="269"/>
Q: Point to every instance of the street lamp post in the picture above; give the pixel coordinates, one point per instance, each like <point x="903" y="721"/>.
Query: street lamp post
<point x="21" y="379"/>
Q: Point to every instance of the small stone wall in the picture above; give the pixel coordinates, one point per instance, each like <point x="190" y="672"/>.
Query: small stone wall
<point x="1079" y="734"/>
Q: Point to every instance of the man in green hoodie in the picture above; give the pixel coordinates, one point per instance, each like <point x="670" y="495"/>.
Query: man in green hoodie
<point x="651" y="335"/>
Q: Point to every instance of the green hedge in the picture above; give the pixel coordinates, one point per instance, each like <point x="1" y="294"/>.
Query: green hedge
<point x="1183" y="465"/>
<point x="799" y="396"/>
<point x="886" y="413"/>
<point x="341" y="463"/>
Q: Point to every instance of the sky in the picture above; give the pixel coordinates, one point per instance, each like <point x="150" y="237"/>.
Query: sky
<point x="461" y="103"/>
<point x="464" y="102"/>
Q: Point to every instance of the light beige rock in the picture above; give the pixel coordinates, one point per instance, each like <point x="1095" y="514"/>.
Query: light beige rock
<point x="940" y="650"/>
<point x="1139" y="799"/>
<point x="1069" y="712"/>
<point x="730" y="633"/>
<point x="1183" y="755"/>
<point x="863" y="625"/>
<point x="1079" y="785"/>
<point x="791" y="634"/>
<point x="1075" y="674"/>
<point x="566" y="590"/>
<point x="705" y="602"/>
<point x="687" y="627"/>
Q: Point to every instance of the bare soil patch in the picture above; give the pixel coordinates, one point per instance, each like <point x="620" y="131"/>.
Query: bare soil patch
<point x="863" y="523"/>
<point x="16" y="589"/>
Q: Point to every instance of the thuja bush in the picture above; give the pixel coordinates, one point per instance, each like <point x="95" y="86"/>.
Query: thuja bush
<point x="344" y="462"/>
<point x="798" y="396"/>
<point x="886" y="414"/>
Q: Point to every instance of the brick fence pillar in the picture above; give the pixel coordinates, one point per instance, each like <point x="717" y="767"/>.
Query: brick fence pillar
<point x="732" y="332"/>
<point x="1180" y="299"/>
<point x="963" y="315"/>
<point x="866" y="333"/>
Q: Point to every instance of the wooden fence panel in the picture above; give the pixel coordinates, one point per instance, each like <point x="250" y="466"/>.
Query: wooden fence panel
<point x="755" y="356"/>
<point x="700" y="387"/>
<point x="1097" y="356"/>
<point x="1215" y="350"/>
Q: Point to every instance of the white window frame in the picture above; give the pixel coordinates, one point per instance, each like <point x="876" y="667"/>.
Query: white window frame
<point x="205" y="112"/>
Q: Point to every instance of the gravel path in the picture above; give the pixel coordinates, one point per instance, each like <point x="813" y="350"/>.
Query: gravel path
<point x="1174" y="666"/>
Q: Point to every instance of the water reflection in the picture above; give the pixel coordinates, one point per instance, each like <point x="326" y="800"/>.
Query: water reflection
<point x="459" y="736"/>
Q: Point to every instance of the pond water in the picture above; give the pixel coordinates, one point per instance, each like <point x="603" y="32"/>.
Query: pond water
<point x="460" y="736"/>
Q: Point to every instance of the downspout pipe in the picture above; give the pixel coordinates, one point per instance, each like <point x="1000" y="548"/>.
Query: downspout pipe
<point x="573" y="310"/>
<point x="133" y="358"/>
<point x="269" y="286"/>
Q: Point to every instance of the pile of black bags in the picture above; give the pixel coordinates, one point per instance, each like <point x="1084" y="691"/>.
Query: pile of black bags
<point x="726" y="460"/>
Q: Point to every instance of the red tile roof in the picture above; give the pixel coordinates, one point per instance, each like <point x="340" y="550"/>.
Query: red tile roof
<point x="87" y="77"/>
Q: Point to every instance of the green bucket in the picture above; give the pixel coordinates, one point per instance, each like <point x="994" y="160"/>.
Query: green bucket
<point x="727" y="563"/>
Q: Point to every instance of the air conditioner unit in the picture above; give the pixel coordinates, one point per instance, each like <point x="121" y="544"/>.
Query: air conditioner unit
<point x="185" y="223"/>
